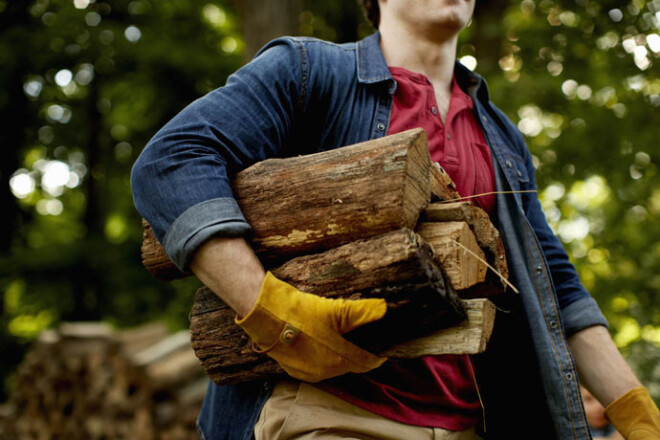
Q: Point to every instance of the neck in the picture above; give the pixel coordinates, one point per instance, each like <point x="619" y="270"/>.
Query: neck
<point x="430" y="55"/>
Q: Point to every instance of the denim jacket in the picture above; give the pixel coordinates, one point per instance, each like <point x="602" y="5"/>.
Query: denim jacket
<point x="301" y="96"/>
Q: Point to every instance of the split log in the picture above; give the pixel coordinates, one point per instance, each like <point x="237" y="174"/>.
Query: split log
<point x="442" y="187"/>
<point x="320" y="201"/>
<point x="456" y="251"/>
<point x="468" y="337"/>
<point x="214" y="328"/>
<point x="397" y="266"/>
<point x="488" y="237"/>
<point x="154" y="258"/>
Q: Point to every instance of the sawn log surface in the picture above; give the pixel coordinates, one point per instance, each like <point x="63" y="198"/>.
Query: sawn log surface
<point x="488" y="237"/>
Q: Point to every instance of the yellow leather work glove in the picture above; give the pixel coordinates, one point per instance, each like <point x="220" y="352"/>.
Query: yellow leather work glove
<point x="635" y="415"/>
<point x="302" y="332"/>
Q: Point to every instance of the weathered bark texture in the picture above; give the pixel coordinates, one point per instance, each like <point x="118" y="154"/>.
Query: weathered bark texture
<point x="488" y="237"/>
<point x="397" y="266"/>
<point x="88" y="381"/>
<point x="359" y="269"/>
<point x="442" y="187"/>
<point x="343" y="219"/>
<point x="227" y="356"/>
<point x="154" y="258"/>
<point x="456" y="251"/>
<point x="320" y="201"/>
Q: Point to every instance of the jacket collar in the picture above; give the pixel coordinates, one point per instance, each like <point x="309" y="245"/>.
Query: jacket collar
<point x="372" y="68"/>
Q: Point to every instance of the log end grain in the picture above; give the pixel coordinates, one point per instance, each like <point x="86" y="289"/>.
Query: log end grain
<point x="456" y="251"/>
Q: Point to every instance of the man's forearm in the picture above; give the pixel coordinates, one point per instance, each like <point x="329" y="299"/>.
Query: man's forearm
<point x="230" y="268"/>
<point x="601" y="368"/>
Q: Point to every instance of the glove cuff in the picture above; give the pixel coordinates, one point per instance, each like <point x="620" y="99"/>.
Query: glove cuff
<point x="634" y="411"/>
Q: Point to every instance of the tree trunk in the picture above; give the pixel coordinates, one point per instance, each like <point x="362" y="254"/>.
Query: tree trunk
<point x="264" y="20"/>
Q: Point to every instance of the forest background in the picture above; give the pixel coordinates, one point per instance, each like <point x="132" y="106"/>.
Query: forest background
<point x="86" y="83"/>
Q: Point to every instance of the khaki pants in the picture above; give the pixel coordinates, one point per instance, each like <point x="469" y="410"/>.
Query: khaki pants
<point x="299" y="411"/>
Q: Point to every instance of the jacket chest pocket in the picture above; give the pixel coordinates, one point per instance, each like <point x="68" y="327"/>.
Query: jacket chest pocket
<point x="516" y="171"/>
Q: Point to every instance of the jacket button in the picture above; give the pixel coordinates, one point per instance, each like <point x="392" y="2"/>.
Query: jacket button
<point x="509" y="163"/>
<point x="380" y="126"/>
<point x="539" y="269"/>
<point x="553" y="324"/>
<point x="569" y="376"/>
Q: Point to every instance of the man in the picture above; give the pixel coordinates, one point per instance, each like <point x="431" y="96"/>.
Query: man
<point x="301" y="94"/>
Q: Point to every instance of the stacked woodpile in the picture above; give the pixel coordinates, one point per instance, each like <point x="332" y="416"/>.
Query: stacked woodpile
<point x="86" y="381"/>
<point x="376" y="219"/>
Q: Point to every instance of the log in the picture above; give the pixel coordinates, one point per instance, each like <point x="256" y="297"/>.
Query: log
<point x="316" y="202"/>
<point x="442" y="187"/>
<point x="488" y="237"/>
<point x="468" y="337"/>
<point x="456" y="251"/>
<point x="154" y="258"/>
<point x="239" y="363"/>
<point x="397" y="266"/>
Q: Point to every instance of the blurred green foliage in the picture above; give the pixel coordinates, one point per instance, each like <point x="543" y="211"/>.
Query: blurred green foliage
<point x="87" y="83"/>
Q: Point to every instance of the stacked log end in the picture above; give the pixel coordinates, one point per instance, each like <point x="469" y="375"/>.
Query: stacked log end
<point x="86" y="381"/>
<point x="487" y="236"/>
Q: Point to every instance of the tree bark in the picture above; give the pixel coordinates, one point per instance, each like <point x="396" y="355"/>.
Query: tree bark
<point x="397" y="266"/>
<point x="320" y="201"/>
<point x="226" y="352"/>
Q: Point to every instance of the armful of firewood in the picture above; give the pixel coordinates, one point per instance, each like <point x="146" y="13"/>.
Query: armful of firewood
<point x="398" y="266"/>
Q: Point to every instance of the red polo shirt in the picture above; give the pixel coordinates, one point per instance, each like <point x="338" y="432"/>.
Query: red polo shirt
<point x="433" y="391"/>
<point x="458" y="144"/>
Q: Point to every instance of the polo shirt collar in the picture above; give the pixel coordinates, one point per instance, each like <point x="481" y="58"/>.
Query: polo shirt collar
<point x="372" y="68"/>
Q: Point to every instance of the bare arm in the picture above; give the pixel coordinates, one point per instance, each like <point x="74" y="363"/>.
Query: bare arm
<point x="266" y="308"/>
<point x="230" y="268"/>
<point x="601" y="368"/>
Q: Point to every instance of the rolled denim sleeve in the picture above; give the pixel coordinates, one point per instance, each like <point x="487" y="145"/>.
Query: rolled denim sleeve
<point x="581" y="314"/>
<point x="181" y="180"/>
<point x="215" y="217"/>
